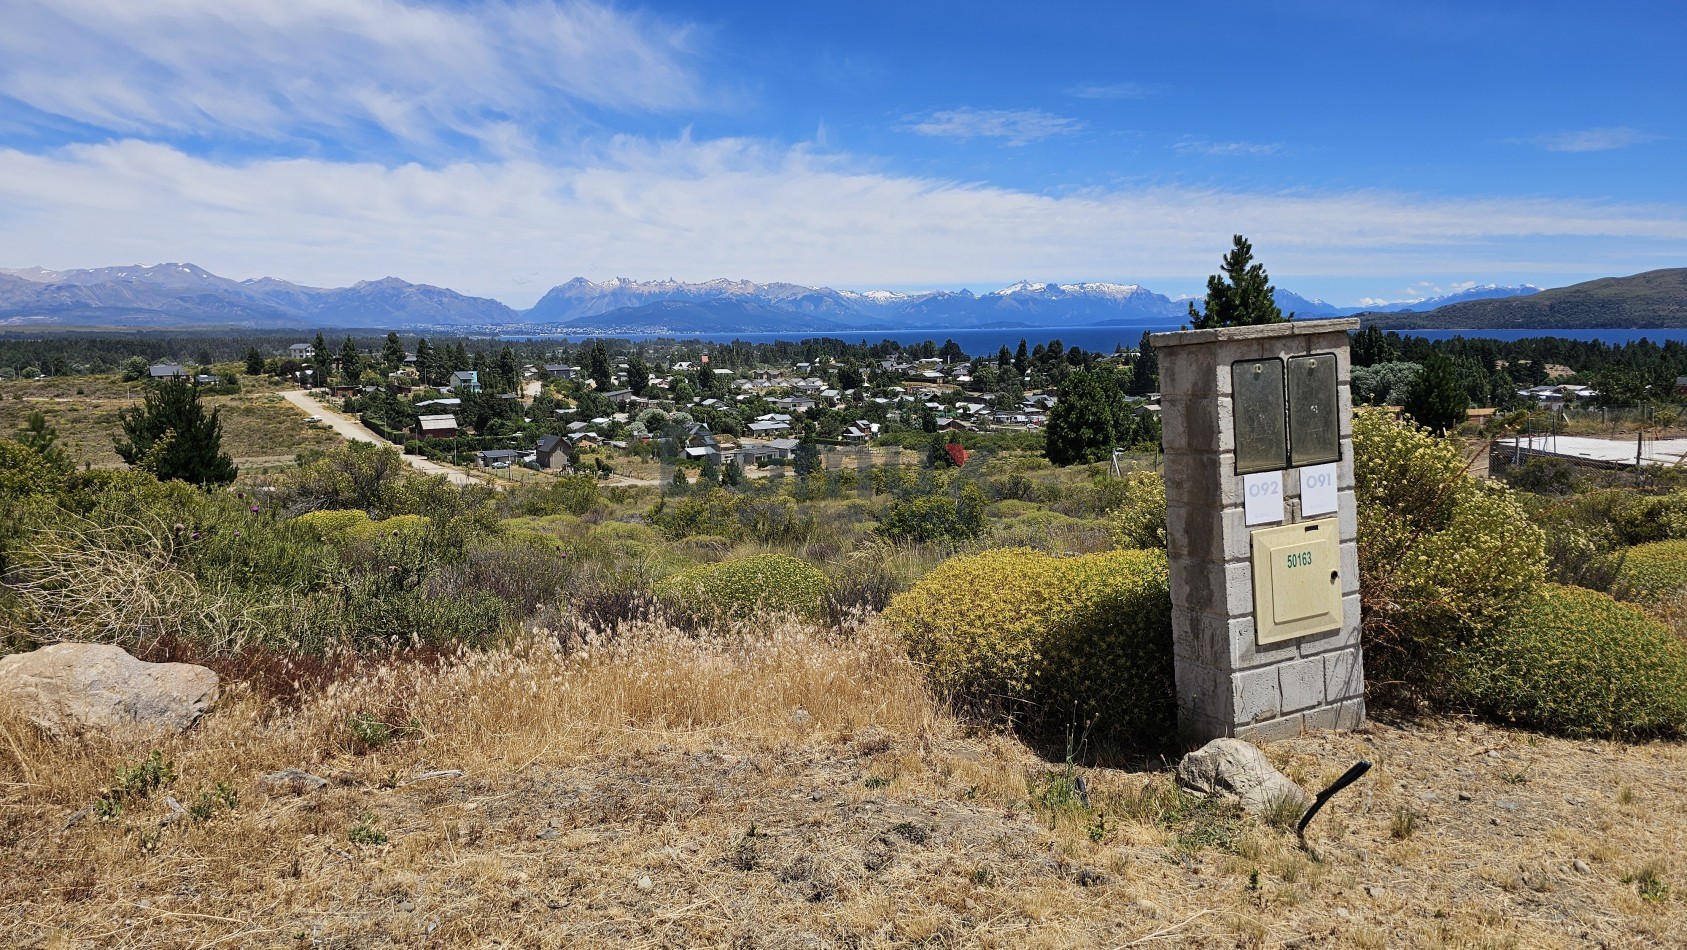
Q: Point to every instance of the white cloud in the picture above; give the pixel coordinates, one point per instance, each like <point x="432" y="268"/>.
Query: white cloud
<point x="1196" y="146"/>
<point x="326" y="70"/>
<point x="1594" y="140"/>
<point x="701" y="209"/>
<point x="1115" y="90"/>
<point x="1017" y="126"/>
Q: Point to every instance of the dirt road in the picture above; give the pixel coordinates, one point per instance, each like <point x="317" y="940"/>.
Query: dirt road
<point x="353" y="431"/>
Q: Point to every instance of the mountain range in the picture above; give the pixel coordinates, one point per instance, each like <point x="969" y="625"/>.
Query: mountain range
<point x="187" y="296"/>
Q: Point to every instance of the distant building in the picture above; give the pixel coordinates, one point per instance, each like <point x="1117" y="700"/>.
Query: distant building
<point x="301" y="351"/>
<point x="465" y="381"/>
<point x="166" y="371"/>
<point x="437" y="427"/>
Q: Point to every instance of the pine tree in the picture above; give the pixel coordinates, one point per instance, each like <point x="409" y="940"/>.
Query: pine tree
<point x="322" y="365"/>
<point x="508" y="371"/>
<point x="597" y="367"/>
<point x="392" y="355"/>
<point x="1021" y="358"/>
<point x="638" y="375"/>
<point x="351" y="361"/>
<point x="1004" y="358"/>
<point x="425" y="361"/>
<point x="254" y="362"/>
<point x="170" y="436"/>
<point x="1437" y="399"/>
<point x="1145" y="377"/>
<point x="1245" y="299"/>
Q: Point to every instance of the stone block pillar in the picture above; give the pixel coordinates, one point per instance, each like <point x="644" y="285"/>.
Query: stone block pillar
<point x="1228" y="683"/>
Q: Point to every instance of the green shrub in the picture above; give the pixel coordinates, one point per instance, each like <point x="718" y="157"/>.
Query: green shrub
<point x="1441" y="557"/>
<point x="1651" y="572"/>
<point x="1578" y="663"/>
<point x="570" y="494"/>
<point x="331" y="525"/>
<point x="743" y="586"/>
<point x="1048" y="641"/>
<point x="937" y="516"/>
<point x="733" y="515"/>
<point x="1139" y="521"/>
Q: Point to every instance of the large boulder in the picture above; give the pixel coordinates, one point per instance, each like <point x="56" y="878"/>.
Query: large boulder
<point x="69" y="689"/>
<point x="1235" y="770"/>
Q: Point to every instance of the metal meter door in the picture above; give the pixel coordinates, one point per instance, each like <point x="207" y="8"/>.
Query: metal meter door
<point x="1314" y="419"/>
<point x="1256" y="394"/>
<point x="1297" y="580"/>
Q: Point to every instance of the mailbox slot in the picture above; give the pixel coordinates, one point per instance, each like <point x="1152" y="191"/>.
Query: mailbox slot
<point x="1297" y="580"/>
<point x="1314" y="416"/>
<point x="1256" y="392"/>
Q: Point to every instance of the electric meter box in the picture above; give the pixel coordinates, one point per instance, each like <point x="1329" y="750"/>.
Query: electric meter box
<point x="1297" y="580"/>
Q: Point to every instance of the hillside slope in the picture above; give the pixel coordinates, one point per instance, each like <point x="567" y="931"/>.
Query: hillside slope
<point x="1654" y="299"/>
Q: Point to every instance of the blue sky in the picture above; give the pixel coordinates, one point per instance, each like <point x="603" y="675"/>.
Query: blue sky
<point x="1372" y="151"/>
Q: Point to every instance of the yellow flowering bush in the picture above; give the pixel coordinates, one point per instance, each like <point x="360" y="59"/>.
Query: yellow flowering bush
<point x="1653" y="571"/>
<point x="1441" y="557"/>
<point x="1578" y="663"/>
<point x="1048" y="641"/>
<point x="743" y="586"/>
<point x="1139" y="521"/>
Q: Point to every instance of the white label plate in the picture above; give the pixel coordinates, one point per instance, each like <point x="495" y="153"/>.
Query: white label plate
<point x="1264" y="494"/>
<point x="1318" y="490"/>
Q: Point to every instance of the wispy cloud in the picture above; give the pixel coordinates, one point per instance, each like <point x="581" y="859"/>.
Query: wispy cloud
<point x="1113" y="90"/>
<point x="701" y="209"/>
<point x="1199" y="147"/>
<point x="1594" y="140"/>
<point x="1017" y="126"/>
<point x="335" y="70"/>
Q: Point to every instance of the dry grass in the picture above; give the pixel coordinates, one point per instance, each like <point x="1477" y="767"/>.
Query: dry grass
<point x="788" y="787"/>
<point x="258" y="427"/>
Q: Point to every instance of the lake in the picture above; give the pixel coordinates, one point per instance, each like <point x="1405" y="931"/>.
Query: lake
<point x="1105" y="339"/>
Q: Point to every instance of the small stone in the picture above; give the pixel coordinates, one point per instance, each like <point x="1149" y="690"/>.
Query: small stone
<point x="1506" y="804"/>
<point x="645" y="883"/>
<point x="1464" y="796"/>
<point x="1343" y="913"/>
<point x="1581" y="866"/>
<point x="1429" y="796"/>
<point x="407" y="906"/>
<point x="1235" y="770"/>
<point x="291" y="782"/>
<point x="801" y="717"/>
<point x="1493" y="821"/>
<point x="1374" y="892"/>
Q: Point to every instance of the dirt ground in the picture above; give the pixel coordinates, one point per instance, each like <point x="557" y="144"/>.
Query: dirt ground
<point x="1462" y="835"/>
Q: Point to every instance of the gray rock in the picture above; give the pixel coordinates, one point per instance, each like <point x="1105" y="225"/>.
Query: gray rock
<point x="1235" y="770"/>
<point x="69" y="689"/>
<point x="292" y="782"/>
<point x="1581" y="867"/>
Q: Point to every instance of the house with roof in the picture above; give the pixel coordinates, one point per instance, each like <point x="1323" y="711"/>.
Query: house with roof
<point x="552" y="453"/>
<point x="497" y="458"/>
<point x="301" y="351"/>
<point x="784" y="448"/>
<point x="464" y="381"/>
<point x="768" y="427"/>
<point x="560" y="370"/>
<point x="442" y="426"/>
<point x="165" y="371"/>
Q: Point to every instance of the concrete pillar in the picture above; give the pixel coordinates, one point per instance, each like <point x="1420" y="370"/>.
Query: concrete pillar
<point x="1228" y="684"/>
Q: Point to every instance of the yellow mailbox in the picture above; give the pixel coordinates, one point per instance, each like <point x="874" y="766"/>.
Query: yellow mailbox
<point x="1297" y="580"/>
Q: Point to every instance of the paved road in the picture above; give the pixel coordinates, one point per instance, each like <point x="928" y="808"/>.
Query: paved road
<point x="353" y="431"/>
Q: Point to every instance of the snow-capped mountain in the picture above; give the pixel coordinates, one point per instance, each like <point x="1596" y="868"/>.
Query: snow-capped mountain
<point x="188" y="295"/>
<point x="1484" y="292"/>
<point x="583" y="304"/>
